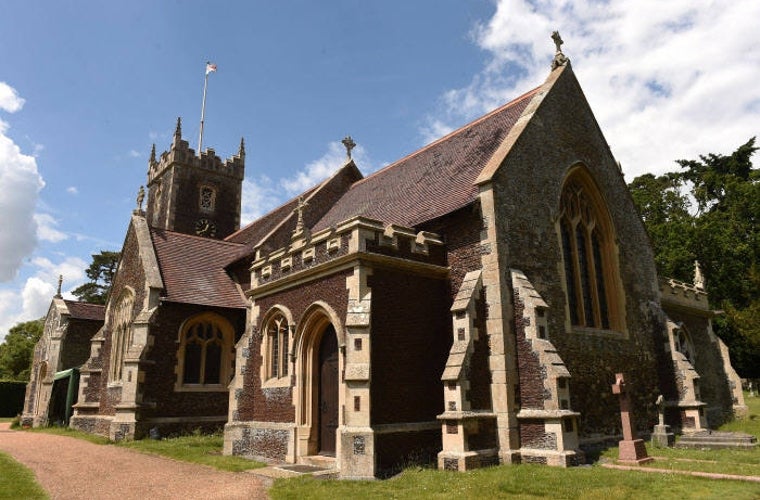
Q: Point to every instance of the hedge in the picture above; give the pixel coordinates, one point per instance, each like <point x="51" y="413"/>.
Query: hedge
<point x="11" y="397"/>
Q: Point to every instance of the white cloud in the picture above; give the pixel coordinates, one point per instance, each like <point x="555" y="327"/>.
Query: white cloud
<point x="46" y="230"/>
<point x="322" y="168"/>
<point x="10" y="101"/>
<point x="72" y="190"/>
<point x="20" y="184"/>
<point x="133" y="153"/>
<point x="666" y="80"/>
<point x="37" y="291"/>
<point x="259" y="197"/>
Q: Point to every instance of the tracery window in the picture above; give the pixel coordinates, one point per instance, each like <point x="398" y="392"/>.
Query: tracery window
<point x="586" y="241"/>
<point x="278" y="340"/>
<point x="207" y="198"/>
<point x="121" y="334"/>
<point x="205" y="353"/>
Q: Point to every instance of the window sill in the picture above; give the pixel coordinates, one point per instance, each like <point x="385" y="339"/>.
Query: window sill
<point x="200" y="388"/>
<point x="276" y="382"/>
<point x="599" y="332"/>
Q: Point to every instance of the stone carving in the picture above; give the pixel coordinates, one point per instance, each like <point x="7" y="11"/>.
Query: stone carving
<point x="699" y="279"/>
<point x="299" y="211"/>
<point x="559" y="58"/>
<point x="140" y="198"/>
<point x="349" y="144"/>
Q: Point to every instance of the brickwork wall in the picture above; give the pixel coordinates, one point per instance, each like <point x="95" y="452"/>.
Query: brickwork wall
<point x="479" y="374"/>
<point x="713" y="382"/>
<point x="276" y="404"/>
<point x="130" y="273"/>
<point x="188" y="182"/>
<point x="526" y="192"/>
<point x="76" y="344"/>
<point x="267" y="443"/>
<point x="411" y="338"/>
<point x="160" y="375"/>
<point x="531" y="373"/>
<point x="460" y="231"/>
<point x="533" y="435"/>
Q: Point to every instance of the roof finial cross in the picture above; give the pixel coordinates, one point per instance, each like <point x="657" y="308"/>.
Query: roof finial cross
<point x="299" y="210"/>
<point x="349" y="144"/>
<point x="559" y="58"/>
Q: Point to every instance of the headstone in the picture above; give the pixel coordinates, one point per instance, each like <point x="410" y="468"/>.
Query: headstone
<point x="662" y="437"/>
<point x="632" y="450"/>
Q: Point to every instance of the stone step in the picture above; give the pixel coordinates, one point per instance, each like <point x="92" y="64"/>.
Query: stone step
<point x="717" y="439"/>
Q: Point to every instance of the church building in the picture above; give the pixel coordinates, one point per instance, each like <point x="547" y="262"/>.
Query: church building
<point x="470" y="303"/>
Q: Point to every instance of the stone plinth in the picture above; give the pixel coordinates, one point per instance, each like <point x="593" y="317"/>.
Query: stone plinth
<point x="662" y="437"/>
<point x="633" y="452"/>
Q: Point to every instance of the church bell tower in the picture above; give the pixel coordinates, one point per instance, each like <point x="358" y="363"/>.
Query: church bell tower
<point x="195" y="194"/>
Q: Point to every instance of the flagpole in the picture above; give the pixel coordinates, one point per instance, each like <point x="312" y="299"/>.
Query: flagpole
<point x="203" y="109"/>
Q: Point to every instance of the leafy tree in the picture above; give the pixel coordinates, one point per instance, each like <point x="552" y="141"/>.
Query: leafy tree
<point x="101" y="273"/>
<point x="722" y="232"/>
<point x="17" y="349"/>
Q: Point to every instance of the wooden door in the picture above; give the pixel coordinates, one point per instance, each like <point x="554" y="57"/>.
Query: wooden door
<point x="328" y="392"/>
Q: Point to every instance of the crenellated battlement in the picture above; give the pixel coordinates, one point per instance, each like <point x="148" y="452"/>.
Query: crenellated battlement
<point x="684" y="294"/>
<point x="181" y="153"/>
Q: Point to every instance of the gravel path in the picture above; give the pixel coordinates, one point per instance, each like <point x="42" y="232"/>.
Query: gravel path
<point x="76" y="469"/>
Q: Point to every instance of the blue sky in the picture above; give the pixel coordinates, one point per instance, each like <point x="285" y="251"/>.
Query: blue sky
<point x="87" y="87"/>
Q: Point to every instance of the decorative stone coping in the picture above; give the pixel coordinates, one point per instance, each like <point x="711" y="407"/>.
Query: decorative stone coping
<point x="358" y="235"/>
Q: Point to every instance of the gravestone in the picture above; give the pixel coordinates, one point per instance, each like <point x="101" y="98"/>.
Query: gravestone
<point x="632" y="450"/>
<point x="662" y="437"/>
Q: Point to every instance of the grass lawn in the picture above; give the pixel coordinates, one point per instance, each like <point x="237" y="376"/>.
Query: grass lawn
<point x="16" y="481"/>
<point x="530" y="481"/>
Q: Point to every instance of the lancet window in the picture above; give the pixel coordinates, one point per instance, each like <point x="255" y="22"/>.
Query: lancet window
<point x="121" y="334"/>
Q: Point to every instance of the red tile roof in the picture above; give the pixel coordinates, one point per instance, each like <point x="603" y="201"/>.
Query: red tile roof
<point x="433" y="181"/>
<point x="192" y="268"/>
<point x="85" y="310"/>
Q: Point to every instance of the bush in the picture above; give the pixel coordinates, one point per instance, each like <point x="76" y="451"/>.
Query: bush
<point x="12" y="395"/>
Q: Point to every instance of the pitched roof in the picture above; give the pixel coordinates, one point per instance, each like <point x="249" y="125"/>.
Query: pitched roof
<point x="251" y="234"/>
<point x="433" y="181"/>
<point x="85" y="310"/>
<point x="192" y="268"/>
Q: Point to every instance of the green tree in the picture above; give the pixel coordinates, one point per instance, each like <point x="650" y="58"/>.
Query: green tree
<point x="101" y="273"/>
<point x="17" y="349"/>
<point x="722" y="232"/>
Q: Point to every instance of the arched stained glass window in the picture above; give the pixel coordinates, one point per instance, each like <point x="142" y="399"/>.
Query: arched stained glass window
<point x="205" y="353"/>
<point x="278" y="340"/>
<point x="586" y="238"/>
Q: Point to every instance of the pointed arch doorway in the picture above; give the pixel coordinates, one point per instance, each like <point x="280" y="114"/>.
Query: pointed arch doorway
<point x="327" y="392"/>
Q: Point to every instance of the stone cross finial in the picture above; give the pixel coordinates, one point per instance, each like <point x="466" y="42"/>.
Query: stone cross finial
<point x="661" y="409"/>
<point x="140" y="198"/>
<point x="349" y="143"/>
<point x="699" y="279"/>
<point x="60" y="284"/>
<point x="559" y="58"/>
<point x="299" y="210"/>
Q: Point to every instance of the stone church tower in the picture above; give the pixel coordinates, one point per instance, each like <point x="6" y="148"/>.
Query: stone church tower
<point x="195" y="194"/>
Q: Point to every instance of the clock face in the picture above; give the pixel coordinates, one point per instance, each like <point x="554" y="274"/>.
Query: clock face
<point x="204" y="227"/>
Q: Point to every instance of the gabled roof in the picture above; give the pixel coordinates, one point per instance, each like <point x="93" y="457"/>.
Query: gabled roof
<point x="192" y="268"/>
<point x="85" y="310"/>
<point x="434" y="181"/>
<point x="251" y="234"/>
